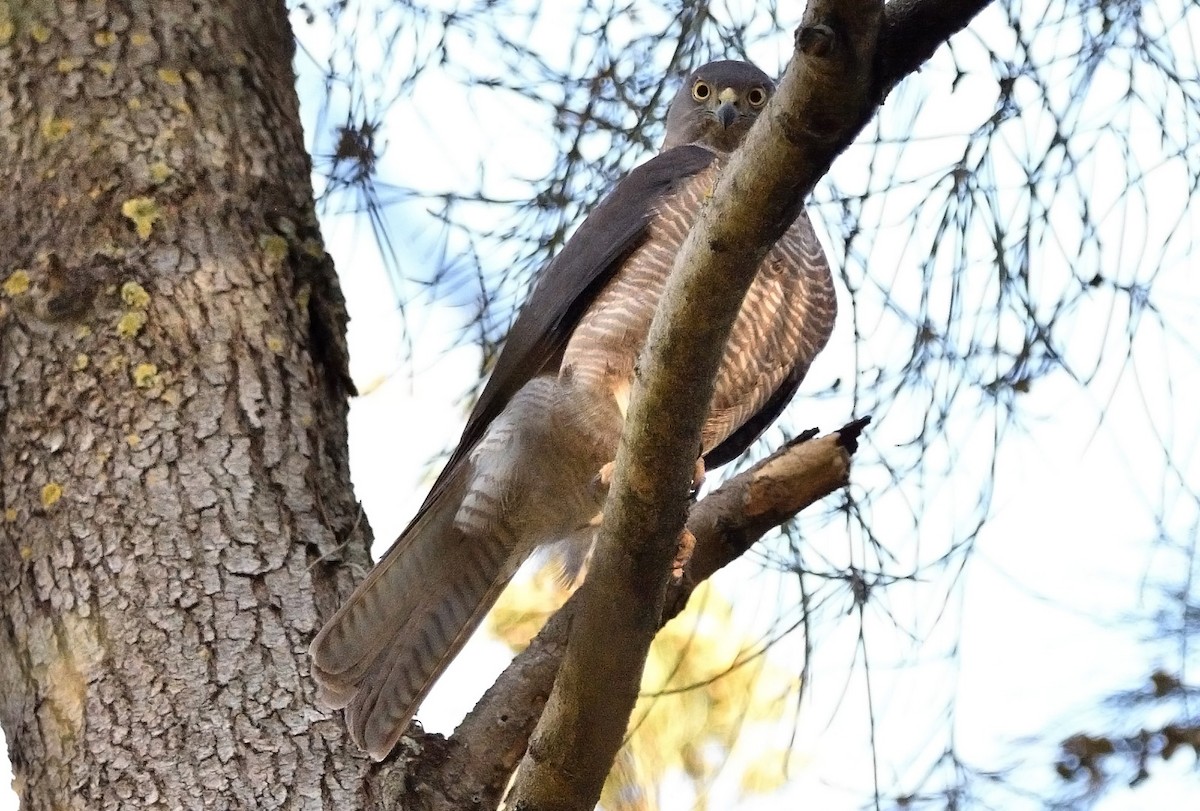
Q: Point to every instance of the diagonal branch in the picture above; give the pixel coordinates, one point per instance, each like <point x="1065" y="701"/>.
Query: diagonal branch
<point x="487" y="746"/>
<point x="912" y="31"/>
<point x="822" y="101"/>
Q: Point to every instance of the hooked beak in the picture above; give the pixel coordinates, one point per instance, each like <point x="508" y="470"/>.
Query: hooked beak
<point x="726" y="114"/>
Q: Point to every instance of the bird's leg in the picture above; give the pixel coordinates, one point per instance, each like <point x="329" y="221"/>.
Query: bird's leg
<point x="683" y="554"/>
<point x="603" y="479"/>
<point x="698" y="476"/>
<point x="687" y="541"/>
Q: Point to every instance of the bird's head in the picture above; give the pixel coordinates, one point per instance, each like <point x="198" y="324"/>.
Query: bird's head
<point x="717" y="104"/>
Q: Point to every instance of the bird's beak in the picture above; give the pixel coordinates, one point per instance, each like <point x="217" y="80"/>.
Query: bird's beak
<point x="726" y="114"/>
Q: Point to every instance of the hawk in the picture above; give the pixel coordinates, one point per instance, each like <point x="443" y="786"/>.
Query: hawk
<point x="526" y="471"/>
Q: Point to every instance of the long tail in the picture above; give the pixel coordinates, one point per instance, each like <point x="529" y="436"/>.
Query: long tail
<point x="382" y="651"/>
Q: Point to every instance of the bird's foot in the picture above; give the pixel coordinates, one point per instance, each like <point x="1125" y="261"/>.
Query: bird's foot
<point x="683" y="554"/>
<point x="698" y="476"/>
<point x="603" y="479"/>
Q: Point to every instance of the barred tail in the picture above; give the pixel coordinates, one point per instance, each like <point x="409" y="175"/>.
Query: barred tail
<point x="382" y="651"/>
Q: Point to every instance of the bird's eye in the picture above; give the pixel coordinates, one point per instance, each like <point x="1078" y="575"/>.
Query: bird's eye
<point x="701" y="90"/>
<point x="757" y="97"/>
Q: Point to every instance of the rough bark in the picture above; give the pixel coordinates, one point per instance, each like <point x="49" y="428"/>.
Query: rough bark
<point x="172" y="414"/>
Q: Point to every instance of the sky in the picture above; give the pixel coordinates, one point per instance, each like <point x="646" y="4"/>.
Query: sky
<point x="1038" y="623"/>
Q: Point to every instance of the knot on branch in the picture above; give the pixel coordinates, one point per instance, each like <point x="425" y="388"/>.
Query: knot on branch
<point x="816" y="40"/>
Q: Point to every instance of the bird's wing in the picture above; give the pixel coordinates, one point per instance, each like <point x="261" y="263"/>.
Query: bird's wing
<point x="569" y="284"/>
<point x="808" y="323"/>
<point x="740" y="440"/>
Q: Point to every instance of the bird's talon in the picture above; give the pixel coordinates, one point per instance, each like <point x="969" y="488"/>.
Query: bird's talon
<point x="683" y="554"/>
<point x="604" y="477"/>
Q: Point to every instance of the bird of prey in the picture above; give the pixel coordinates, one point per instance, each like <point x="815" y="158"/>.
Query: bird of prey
<point x="526" y="471"/>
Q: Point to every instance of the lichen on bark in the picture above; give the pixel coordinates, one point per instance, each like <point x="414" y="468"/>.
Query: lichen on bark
<point x="172" y="438"/>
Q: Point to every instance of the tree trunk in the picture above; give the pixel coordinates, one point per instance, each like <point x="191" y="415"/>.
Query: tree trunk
<point x="173" y="464"/>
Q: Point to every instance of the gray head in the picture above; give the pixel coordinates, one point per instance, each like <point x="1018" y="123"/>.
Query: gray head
<point x="717" y="104"/>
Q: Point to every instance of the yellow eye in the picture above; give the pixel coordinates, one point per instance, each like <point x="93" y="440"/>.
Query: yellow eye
<point x="757" y="97"/>
<point x="701" y="90"/>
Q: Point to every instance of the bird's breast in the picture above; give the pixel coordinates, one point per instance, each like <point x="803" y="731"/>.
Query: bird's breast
<point x="785" y="318"/>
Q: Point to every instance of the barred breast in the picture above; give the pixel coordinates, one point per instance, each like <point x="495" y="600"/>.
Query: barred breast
<point x="571" y="434"/>
<point x="785" y="320"/>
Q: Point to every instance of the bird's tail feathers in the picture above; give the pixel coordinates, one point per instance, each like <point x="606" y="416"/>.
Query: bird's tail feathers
<point x="382" y="651"/>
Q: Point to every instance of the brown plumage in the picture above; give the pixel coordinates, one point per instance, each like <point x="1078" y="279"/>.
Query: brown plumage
<point x="525" y="471"/>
